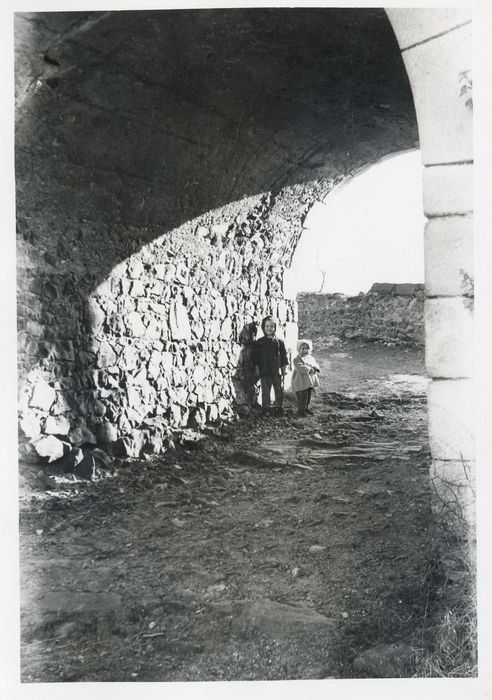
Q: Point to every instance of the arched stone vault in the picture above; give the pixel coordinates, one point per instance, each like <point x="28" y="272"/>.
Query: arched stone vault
<point x="165" y="162"/>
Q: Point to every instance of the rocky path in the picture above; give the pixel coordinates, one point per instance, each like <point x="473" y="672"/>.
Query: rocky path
<point x="272" y="549"/>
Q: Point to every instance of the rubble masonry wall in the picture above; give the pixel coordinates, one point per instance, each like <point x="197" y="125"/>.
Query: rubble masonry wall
<point x="389" y="313"/>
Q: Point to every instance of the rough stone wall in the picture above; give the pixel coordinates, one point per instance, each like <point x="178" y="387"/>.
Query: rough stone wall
<point x="389" y="313"/>
<point x="153" y="347"/>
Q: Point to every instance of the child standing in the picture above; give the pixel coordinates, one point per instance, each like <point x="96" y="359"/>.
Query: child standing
<point x="305" y="376"/>
<point x="270" y="357"/>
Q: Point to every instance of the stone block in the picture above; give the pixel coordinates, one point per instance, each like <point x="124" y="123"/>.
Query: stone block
<point x="198" y="330"/>
<point x="157" y="288"/>
<point x="34" y="328"/>
<point x="226" y="329"/>
<point x="224" y="407"/>
<point x="178" y="376"/>
<point x="154" y="329"/>
<point x="31" y="425"/>
<point x="444" y="118"/>
<point x="205" y="309"/>
<point x="222" y="358"/>
<point x="449" y="256"/>
<point x="208" y="394"/>
<point x="188" y="359"/>
<point x="179" y="322"/>
<point x="134" y="324"/>
<point x="413" y="25"/>
<point x="57" y="425"/>
<point x="129" y="358"/>
<point x="160" y="271"/>
<point x="159" y="309"/>
<point x="448" y="189"/>
<point x="220" y="309"/>
<point x="51" y="447"/>
<point x="43" y="396"/>
<point x="142" y="305"/>
<point x="137" y="289"/>
<point x="135" y="269"/>
<point x="170" y="273"/>
<point x="182" y="273"/>
<point x="61" y="405"/>
<point x="167" y="361"/>
<point x="154" y="366"/>
<point x="201" y="231"/>
<point x="181" y="396"/>
<point x="125" y="286"/>
<point x="448" y="337"/>
<point x="106" y="355"/>
<point x="451" y="419"/>
<point x="232" y="304"/>
<point x="133" y="395"/>
<point x="214" y="329"/>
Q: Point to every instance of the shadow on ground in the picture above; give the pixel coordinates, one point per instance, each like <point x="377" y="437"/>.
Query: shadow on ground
<point x="268" y="549"/>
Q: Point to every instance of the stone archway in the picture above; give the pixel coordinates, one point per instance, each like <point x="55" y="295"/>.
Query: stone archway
<point x="174" y="184"/>
<point x="436" y="49"/>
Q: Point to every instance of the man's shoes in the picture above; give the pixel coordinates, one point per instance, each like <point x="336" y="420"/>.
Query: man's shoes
<point x="279" y="411"/>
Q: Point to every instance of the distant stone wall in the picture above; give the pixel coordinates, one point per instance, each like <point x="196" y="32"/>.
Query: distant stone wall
<point x="390" y="313"/>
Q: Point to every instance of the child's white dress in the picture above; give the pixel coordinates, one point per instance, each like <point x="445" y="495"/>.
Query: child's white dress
<point x="303" y="377"/>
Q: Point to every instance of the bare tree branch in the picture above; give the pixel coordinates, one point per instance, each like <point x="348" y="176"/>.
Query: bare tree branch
<point x="323" y="273"/>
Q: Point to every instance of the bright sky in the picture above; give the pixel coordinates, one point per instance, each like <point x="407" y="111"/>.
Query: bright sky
<point x="370" y="230"/>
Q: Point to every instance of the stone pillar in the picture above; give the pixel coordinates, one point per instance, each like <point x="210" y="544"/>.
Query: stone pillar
<point x="436" y="49"/>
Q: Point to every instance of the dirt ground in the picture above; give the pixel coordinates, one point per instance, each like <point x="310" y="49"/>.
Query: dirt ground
<point x="270" y="548"/>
